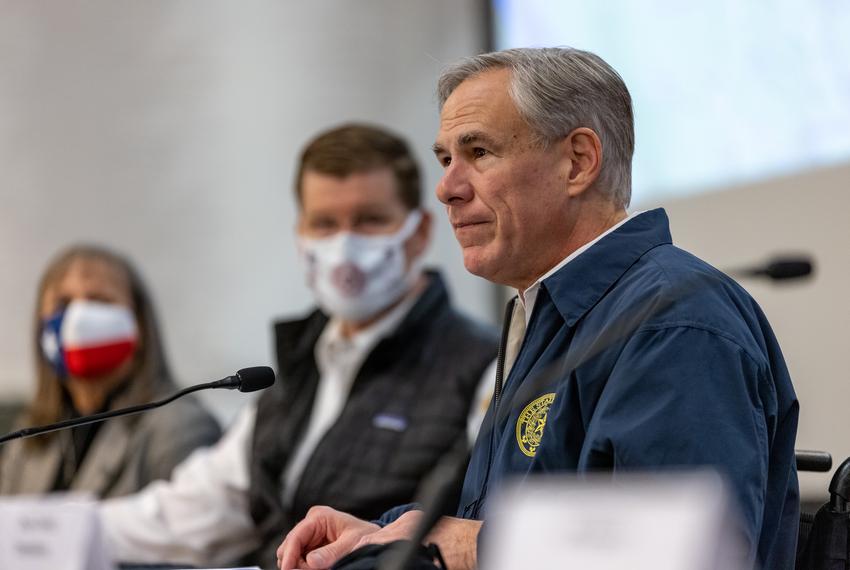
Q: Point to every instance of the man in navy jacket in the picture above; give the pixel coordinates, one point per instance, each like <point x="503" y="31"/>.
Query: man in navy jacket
<point x="622" y="351"/>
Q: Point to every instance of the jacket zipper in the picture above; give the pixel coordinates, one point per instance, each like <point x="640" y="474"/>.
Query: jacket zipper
<point x="497" y="394"/>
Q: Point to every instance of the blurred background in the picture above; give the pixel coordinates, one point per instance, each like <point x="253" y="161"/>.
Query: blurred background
<point x="169" y="131"/>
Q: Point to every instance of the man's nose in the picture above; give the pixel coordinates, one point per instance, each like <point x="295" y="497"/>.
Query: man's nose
<point x="455" y="185"/>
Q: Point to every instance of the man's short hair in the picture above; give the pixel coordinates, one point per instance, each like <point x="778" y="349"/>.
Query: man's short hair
<point x="357" y="148"/>
<point x="557" y="90"/>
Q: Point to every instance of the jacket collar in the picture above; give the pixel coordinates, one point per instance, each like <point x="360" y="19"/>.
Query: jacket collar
<point x="581" y="283"/>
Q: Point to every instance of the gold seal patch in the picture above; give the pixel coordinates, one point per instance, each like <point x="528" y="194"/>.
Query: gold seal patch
<point x="530" y="424"/>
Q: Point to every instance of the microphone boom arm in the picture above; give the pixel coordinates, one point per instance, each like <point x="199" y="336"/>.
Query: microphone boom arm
<point x="76" y="422"/>
<point x="245" y="380"/>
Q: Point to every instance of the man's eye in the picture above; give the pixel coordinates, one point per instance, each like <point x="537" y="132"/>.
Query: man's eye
<point x="371" y="220"/>
<point x="446" y="161"/>
<point x="321" y="227"/>
<point x="478" y="152"/>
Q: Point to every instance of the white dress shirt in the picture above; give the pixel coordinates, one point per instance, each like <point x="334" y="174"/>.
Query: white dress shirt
<point x="201" y="515"/>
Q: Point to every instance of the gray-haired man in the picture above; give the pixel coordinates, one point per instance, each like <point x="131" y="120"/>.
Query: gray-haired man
<point x="624" y="351"/>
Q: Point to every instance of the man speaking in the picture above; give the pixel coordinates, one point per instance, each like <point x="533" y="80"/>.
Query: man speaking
<point x="623" y="351"/>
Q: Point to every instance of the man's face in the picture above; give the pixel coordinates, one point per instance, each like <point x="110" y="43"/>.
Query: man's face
<point x="366" y="203"/>
<point x="506" y="197"/>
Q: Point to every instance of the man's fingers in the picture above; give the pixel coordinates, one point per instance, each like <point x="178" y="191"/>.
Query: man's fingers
<point x="322" y="538"/>
<point x="290" y="554"/>
<point x="326" y="556"/>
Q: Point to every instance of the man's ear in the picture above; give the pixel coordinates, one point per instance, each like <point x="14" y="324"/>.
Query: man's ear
<point x="416" y="245"/>
<point x="584" y="150"/>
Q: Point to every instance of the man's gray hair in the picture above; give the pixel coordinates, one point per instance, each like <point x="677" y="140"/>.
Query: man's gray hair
<point x="557" y="90"/>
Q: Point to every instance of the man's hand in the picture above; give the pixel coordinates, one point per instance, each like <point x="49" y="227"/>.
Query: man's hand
<point x="458" y="542"/>
<point x="457" y="538"/>
<point x="323" y="537"/>
<point x="400" y="529"/>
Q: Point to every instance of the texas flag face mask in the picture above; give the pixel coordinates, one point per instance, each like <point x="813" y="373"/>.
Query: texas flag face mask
<point x="89" y="339"/>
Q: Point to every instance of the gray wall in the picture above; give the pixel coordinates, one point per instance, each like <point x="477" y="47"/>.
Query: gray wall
<point x="169" y="130"/>
<point x="806" y="213"/>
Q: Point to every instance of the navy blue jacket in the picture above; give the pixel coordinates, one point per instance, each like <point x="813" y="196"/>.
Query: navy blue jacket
<point x="648" y="358"/>
<point x="639" y="356"/>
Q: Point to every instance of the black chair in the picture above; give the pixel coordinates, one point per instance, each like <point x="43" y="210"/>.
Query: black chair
<point x="824" y="537"/>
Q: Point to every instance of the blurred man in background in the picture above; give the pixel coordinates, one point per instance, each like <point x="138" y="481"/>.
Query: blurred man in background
<point x="623" y="352"/>
<point x="375" y="385"/>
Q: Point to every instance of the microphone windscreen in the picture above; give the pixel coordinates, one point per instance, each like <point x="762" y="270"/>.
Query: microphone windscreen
<point x="255" y="378"/>
<point x="789" y="268"/>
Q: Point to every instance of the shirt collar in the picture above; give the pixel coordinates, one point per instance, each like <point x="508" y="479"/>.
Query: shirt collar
<point x="529" y="296"/>
<point x="332" y="345"/>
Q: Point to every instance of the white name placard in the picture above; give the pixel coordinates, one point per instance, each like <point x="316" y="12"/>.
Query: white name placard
<point x="640" y="522"/>
<point x="60" y="531"/>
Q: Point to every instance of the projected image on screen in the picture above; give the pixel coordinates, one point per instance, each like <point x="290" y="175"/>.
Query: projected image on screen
<point x="724" y="93"/>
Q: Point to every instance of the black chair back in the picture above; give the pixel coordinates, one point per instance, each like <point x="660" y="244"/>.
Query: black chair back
<point x="824" y="538"/>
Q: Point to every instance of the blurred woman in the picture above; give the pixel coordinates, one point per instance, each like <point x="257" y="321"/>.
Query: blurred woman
<point x="97" y="348"/>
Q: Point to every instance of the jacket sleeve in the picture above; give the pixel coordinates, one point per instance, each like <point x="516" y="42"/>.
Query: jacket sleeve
<point x="686" y="396"/>
<point x="198" y="517"/>
<point x="394" y="513"/>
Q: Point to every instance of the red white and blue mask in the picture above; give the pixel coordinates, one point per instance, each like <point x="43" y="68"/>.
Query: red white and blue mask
<point x="89" y="339"/>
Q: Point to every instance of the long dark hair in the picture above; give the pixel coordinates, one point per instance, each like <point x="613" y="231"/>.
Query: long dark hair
<point x="150" y="373"/>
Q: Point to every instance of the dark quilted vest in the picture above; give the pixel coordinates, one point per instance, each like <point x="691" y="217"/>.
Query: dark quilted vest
<point x="409" y="403"/>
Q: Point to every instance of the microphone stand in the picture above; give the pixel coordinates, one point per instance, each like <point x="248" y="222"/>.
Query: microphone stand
<point x="437" y="491"/>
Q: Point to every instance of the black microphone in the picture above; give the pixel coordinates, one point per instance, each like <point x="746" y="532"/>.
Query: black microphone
<point x="245" y="380"/>
<point x="779" y="268"/>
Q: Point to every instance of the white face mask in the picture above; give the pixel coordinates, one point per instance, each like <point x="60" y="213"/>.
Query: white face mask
<point x="355" y="276"/>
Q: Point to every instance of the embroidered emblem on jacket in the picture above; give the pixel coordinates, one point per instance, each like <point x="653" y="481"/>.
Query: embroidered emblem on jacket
<point x="530" y="424"/>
